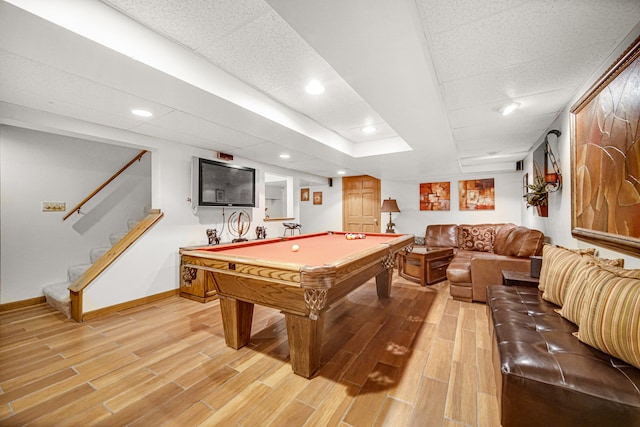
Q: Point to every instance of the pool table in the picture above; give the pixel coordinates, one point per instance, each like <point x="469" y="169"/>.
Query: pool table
<point x="302" y="283"/>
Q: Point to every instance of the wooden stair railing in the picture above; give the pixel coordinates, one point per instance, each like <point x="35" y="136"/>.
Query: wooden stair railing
<point x="104" y="184"/>
<point x="76" y="288"/>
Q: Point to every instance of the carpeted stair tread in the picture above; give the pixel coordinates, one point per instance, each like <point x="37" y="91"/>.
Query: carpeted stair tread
<point x="95" y="254"/>
<point x="76" y="271"/>
<point x="115" y="237"/>
<point x="57" y="296"/>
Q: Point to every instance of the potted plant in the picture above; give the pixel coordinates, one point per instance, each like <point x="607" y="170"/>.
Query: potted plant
<point x="538" y="196"/>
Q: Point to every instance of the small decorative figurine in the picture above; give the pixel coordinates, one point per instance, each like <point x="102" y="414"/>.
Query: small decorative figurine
<point x="212" y="235"/>
<point x="261" y="232"/>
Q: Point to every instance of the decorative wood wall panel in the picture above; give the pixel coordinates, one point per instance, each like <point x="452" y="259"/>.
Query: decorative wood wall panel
<point x="605" y="164"/>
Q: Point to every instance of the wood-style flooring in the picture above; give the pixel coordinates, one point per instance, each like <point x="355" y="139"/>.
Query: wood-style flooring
<point x="416" y="359"/>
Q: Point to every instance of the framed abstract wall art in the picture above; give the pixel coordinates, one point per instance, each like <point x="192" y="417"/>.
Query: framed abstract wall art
<point x="435" y="196"/>
<point x="477" y="194"/>
<point x="317" y="197"/>
<point x="605" y="157"/>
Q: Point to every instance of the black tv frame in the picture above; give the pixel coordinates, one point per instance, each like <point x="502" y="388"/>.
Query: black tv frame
<point x="225" y="184"/>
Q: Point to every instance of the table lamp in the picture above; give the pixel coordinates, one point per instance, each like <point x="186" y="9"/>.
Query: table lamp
<point x="389" y="205"/>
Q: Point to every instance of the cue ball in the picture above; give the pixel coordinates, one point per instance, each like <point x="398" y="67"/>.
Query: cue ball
<point x="295" y="248"/>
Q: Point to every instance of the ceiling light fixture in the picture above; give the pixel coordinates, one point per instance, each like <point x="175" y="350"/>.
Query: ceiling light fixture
<point x="314" y="88"/>
<point x="508" y="108"/>
<point x="341" y="172"/>
<point x="142" y="113"/>
<point x="284" y="156"/>
<point x="369" y="129"/>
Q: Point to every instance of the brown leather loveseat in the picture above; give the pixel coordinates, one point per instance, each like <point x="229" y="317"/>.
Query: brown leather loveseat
<point x="567" y="354"/>
<point x="482" y="251"/>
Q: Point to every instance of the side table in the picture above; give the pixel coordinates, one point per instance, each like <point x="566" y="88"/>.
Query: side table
<point x="519" y="278"/>
<point x="425" y="266"/>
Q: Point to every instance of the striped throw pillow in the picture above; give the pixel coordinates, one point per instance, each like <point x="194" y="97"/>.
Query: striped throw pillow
<point x="578" y="287"/>
<point x="563" y="264"/>
<point x="556" y="262"/>
<point x="622" y="272"/>
<point x="611" y="320"/>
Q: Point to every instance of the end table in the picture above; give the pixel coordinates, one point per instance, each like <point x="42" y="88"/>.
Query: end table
<point x="519" y="278"/>
<point x="425" y="266"/>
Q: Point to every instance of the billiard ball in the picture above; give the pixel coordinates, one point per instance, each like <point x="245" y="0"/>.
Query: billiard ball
<point x="295" y="248"/>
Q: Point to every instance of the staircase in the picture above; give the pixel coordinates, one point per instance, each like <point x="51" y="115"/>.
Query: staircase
<point x="57" y="294"/>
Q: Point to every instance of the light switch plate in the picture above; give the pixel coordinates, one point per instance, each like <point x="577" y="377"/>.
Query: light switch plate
<point x="54" y="206"/>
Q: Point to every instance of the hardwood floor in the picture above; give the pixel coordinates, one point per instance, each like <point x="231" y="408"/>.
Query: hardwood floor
<point x="416" y="359"/>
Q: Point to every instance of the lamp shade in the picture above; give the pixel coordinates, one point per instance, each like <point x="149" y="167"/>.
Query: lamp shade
<point x="389" y="205"/>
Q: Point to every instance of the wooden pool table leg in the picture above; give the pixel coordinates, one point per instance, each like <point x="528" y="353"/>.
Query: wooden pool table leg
<point x="305" y="342"/>
<point x="383" y="283"/>
<point x="236" y="321"/>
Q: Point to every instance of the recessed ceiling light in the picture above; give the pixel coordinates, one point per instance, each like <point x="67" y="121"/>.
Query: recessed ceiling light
<point x="369" y="129"/>
<point x="314" y="88"/>
<point x="341" y="172"/>
<point x="142" y="113"/>
<point x="284" y="156"/>
<point x="508" y="108"/>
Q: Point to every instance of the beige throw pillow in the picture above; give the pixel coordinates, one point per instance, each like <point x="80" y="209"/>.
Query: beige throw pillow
<point x="563" y="264"/>
<point x="610" y="321"/>
<point x="556" y="261"/>
<point x="578" y="287"/>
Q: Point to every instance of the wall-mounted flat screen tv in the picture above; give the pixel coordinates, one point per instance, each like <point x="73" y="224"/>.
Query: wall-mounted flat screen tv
<point x="221" y="184"/>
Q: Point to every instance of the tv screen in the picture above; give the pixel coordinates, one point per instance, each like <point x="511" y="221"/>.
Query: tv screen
<point x="221" y="184"/>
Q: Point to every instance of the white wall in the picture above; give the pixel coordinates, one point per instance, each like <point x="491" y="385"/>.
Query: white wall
<point x="558" y="225"/>
<point x="151" y="265"/>
<point x="31" y="240"/>
<point x="411" y="220"/>
<point x="30" y="250"/>
<point x="37" y="247"/>
<point x="324" y="217"/>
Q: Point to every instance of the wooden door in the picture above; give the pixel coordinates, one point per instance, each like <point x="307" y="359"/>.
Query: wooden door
<point x="361" y="204"/>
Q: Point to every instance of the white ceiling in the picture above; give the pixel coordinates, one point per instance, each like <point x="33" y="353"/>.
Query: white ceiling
<point x="229" y="76"/>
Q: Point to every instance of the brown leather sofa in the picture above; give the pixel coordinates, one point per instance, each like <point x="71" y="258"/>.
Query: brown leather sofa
<point x="545" y="376"/>
<point x="482" y="251"/>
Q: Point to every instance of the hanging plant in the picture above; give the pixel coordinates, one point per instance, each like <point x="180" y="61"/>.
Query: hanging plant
<point x="538" y="196"/>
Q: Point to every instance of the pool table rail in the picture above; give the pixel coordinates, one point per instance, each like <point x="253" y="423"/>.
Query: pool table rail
<point x="234" y="264"/>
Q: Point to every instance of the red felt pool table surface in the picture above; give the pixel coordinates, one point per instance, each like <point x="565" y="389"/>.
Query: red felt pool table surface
<point x="314" y="249"/>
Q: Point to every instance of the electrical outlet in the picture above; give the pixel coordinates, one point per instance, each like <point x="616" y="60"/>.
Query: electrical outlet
<point x="54" y="206"/>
